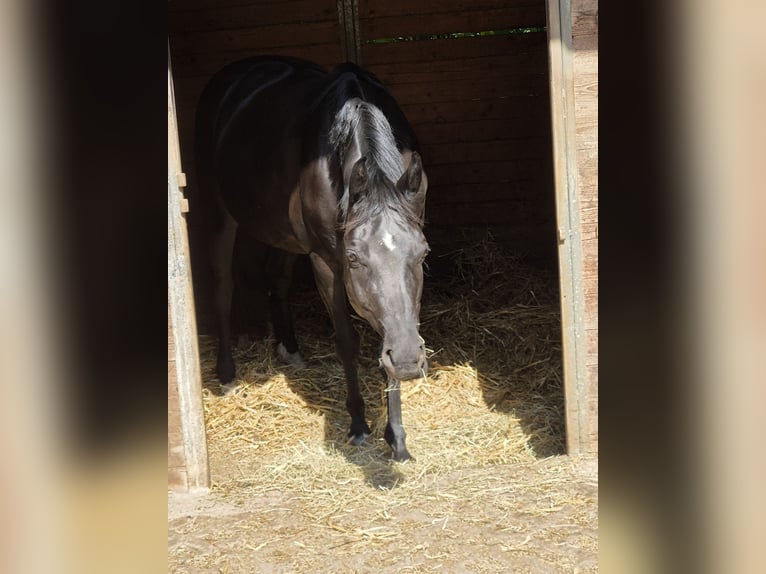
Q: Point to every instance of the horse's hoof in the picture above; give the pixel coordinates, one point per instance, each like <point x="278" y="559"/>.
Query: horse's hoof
<point x="358" y="433"/>
<point x="292" y="359"/>
<point x="358" y="440"/>
<point x="401" y="456"/>
<point x="229" y="388"/>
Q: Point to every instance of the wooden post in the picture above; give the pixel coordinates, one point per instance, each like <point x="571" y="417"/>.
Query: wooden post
<point x="183" y="325"/>
<point x="348" y="18"/>
<point x="568" y="221"/>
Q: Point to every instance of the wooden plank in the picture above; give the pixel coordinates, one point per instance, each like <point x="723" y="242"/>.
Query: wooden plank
<point x="251" y="15"/>
<point x="510" y="62"/>
<point x="585" y="42"/>
<point x="480" y="130"/>
<point x="176" y="456"/>
<point x="488" y="172"/>
<point x="593" y="416"/>
<point x="587" y="168"/>
<point x="516" y="109"/>
<point x="585" y="65"/>
<point x="531" y="86"/>
<point x="176" y="450"/>
<point x="509" y="73"/>
<point x="198" y="5"/>
<point x="526" y="192"/>
<point x="444" y="22"/>
<point x="591" y="346"/>
<point x="386" y="8"/>
<point x="488" y="150"/>
<point x="506" y="76"/>
<point x="490" y="213"/>
<point x="182" y="319"/>
<point x="584" y="17"/>
<point x="588" y="215"/>
<point x="187" y="64"/>
<point x="567" y="215"/>
<point x="177" y="479"/>
<point x="271" y="36"/>
<point x="426" y="51"/>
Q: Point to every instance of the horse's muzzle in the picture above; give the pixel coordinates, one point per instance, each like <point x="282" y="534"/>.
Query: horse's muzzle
<point x="405" y="362"/>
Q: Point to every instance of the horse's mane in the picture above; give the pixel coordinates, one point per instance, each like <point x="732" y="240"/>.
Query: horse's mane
<point x="383" y="159"/>
<point x="384" y="166"/>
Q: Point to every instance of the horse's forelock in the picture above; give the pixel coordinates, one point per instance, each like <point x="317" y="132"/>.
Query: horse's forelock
<point x="372" y="205"/>
<point x="384" y="164"/>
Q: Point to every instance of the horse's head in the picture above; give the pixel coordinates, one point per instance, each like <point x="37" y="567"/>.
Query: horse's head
<point x="383" y="264"/>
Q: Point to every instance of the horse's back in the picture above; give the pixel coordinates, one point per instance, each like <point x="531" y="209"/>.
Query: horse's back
<point x="259" y="84"/>
<point x="249" y="119"/>
<point x="261" y="121"/>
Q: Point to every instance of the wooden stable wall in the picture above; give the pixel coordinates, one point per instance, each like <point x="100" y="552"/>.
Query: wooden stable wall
<point x="479" y="106"/>
<point x="585" y="73"/>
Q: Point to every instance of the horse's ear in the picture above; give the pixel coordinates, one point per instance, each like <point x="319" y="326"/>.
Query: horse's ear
<point x="357" y="183"/>
<point x="414" y="183"/>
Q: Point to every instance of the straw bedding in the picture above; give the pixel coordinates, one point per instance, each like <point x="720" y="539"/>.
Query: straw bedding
<point x="493" y="394"/>
<point x="478" y="426"/>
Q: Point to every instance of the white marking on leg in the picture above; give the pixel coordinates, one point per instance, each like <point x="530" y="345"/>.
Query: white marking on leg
<point x="293" y="359"/>
<point x="388" y="241"/>
<point x="358" y="440"/>
<point x="230" y="388"/>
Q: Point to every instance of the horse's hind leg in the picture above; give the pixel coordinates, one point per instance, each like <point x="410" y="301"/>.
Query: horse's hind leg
<point x="249" y="315"/>
<point x="222" y="252"/>
<point x="279" y="268"/>
<point x="333" y="294"/>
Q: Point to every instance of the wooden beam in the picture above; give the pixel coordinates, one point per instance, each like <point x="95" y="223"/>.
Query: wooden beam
<point x="348" y="18"/>
<point x="568" y="221"/>
<point x="182" y="318"/>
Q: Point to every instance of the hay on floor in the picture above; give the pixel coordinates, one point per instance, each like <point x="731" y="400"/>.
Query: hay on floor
<point x="493" y="394"/>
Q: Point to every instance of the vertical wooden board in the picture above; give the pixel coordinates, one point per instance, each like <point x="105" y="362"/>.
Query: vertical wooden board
<point x="585" y="67"/>
<point x="182" y="330"/>
<point x="584" y="18"/>
<point x="577" y="269"/>
<point x="176" y="452"/>
<point x="593" y="417"/>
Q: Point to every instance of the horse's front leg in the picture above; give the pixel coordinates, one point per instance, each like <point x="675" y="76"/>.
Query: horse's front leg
<point x="346" y="343"/>
<point x="395" y="435"/>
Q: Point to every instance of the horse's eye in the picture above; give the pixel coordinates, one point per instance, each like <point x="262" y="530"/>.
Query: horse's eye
<point x="353" y="259"/>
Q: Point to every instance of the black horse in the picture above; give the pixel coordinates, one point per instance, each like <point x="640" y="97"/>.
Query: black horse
<point x="307" y="161"/>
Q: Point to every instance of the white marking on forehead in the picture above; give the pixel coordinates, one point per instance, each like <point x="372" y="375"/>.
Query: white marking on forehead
<point x="388" y="241"/>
